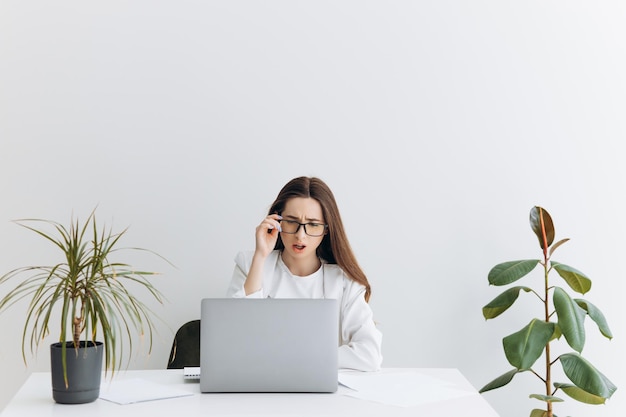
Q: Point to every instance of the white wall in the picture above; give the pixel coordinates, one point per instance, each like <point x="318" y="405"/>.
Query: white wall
<point x="438" y="125"/>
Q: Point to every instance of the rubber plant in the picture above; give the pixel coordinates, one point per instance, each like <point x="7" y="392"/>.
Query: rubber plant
<point x="562" y="317"/>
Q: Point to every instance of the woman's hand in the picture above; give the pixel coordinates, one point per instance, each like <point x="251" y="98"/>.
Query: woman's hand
<point x="267" y="235"/>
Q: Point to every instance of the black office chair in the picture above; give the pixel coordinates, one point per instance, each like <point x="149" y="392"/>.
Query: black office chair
<point x="186" y="346"/>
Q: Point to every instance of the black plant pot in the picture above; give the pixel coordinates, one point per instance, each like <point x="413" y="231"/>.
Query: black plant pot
<point x="84" y="372"/>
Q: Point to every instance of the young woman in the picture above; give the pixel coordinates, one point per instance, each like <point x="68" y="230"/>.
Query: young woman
<point x="302" y="252"/>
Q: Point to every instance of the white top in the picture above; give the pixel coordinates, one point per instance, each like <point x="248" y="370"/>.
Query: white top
<point x="359" y="339"/>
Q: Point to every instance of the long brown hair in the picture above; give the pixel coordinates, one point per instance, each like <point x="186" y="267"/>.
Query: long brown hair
<point x="335" y="248"/>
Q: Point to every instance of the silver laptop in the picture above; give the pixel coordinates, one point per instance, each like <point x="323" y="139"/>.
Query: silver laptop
<point x="268" y="345"/>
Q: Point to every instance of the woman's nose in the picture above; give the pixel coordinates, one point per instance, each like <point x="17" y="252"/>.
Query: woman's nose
<point x="301" y="232"/>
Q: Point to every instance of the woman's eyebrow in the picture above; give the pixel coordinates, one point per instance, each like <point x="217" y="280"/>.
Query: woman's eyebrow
<point x="308" y="219"/>
<point x="314" y="220"/>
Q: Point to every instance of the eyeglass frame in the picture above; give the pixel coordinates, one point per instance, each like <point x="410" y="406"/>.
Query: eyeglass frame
<point x="304" y="226"/>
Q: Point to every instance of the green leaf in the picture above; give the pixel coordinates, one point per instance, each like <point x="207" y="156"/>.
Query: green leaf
<point x="84" y="285"/>
<point x="580" y="395"/>
<point x="596" y="315"/>
<point x="523" y="348"/>
<point x="502" y="302"/>
<point x="585" y="376"/>
<point x="557" y="333"/>
<point x="508" y="272"/>
<point x="571" y="319"/>
<point x="540" y="217"/>
<point x="546" y="398"/>
<point x="539" y="413"/>
<point x="574" y="278"/>
<point x="500" y="381"/>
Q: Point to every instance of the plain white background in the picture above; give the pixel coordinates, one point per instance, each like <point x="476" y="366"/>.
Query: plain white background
<point x="438" y="125"/>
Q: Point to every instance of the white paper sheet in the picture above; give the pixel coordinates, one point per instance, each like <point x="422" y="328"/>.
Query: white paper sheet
<point x="400" y="388"/>
<point x="129" y="391"/>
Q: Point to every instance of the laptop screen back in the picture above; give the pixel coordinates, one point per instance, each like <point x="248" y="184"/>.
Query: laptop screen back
<point x="268" y="345"/>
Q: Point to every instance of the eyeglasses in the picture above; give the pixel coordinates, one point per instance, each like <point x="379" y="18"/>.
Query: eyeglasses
<point x="291" y="227"/>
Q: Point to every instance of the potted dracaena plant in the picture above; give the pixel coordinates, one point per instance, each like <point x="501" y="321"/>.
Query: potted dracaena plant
<point x="562" y="315"/>
<point x="92" y="294"/>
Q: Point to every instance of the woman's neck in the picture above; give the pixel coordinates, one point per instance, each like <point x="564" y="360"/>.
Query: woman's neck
<point x="301" y="267"/>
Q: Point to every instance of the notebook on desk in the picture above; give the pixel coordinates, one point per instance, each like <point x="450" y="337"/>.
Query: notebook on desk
<point x="268" y="345"/>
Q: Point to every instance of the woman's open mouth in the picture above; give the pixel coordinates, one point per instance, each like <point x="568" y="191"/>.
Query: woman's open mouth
<point x="298" y="247"/>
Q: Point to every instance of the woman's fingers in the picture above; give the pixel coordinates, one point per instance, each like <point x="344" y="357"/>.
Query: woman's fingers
<point x="271" y="222"/>
<point x="267" y="233"/>
<point x="275" y="219"/>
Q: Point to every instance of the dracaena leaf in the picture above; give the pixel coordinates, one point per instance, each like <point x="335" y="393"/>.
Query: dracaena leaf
<point x="585" y="376"/>
<point x="571" y="319"/>
<point x="574" y="278"/>
<point x="508" y="272"/>
<point x="540" y="220"/>
<point x="523" y="348"/>
<point x="502" y="302"/>
<point x="596" y="315"/>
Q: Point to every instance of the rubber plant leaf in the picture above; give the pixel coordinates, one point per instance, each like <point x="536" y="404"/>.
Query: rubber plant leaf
<point x="502" y="302"/>
<point x="557" y="244"/>
<point x="585" y="376"/>
<point x="574" y="278"/>
<point x="540" y="220"/>
<point x="579" y="395"/>
<point x="508" y="272"/>
<point x="546" y="398"/>
<point x="523" y="348"/>
<point x="596" y="315"/>
<point x="500" y="381"/>
<point x="571" y="319"/>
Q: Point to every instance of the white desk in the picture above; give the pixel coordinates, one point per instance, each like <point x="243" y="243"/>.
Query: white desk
<point x="35" y="399"/>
